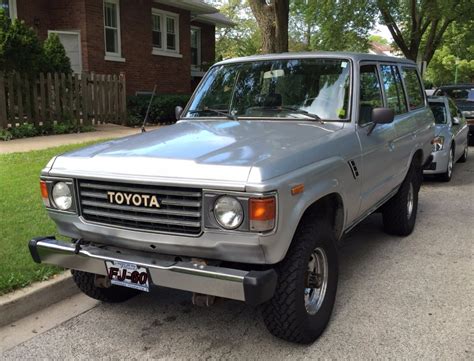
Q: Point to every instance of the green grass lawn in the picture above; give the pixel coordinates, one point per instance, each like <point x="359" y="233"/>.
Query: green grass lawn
<point x="22" y="216"/>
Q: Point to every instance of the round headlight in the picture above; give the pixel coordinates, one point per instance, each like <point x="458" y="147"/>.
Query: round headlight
<point x="62" y="196"/>
<point x="228" y="212"/>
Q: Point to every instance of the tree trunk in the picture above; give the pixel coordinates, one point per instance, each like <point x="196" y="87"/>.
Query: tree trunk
<point x="272" y="19"/>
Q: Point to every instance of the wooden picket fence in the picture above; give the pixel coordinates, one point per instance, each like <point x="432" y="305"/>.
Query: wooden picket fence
<point x="85" y="98"/>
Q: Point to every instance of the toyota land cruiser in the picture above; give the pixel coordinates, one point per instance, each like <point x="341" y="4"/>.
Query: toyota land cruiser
<point x="272" y="161"/>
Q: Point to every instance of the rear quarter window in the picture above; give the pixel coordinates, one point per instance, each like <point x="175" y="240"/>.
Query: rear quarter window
<point x="416" y="97"/>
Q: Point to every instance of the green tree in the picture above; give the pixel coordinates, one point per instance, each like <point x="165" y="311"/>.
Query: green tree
<point x="20" y="49"/>
<point x="418" y="26"/>
<point x="454" y="60"/>
<point x="54" y="57"/>
<point x="243" y="38"/>
<point x="331" y="25"/>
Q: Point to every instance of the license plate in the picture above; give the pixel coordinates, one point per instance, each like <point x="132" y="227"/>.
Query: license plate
<point x="128" y="275"/>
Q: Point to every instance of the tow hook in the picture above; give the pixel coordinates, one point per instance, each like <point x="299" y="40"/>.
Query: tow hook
<point x="200" y="299"/>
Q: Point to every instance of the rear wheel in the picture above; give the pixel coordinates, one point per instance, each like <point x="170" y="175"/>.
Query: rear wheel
<point x="307" y="281"/>
<point x="399" y="213"/>
<point x="446" y="176"/>
<point x="88" y="283"/>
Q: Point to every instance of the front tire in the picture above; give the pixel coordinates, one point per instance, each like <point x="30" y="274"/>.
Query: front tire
<point x="463" y="159"/>
<point x="307" y="282"/>
<point x="446" y="176"/>
<point x="113" y="294"/>
<point x="399" y="213"/>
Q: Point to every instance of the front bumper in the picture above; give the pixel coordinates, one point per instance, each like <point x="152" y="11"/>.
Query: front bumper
<point x="253" y="287"/>
<point x="439" y="162"/>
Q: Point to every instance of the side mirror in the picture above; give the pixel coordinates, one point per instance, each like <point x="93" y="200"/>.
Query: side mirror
<point x="178" y="111"/>
<point x="456" y="121"/>
<point x="382" y="115"/>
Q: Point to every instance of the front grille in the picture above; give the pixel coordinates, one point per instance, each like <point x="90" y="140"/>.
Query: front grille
<point x="179" y="208"/>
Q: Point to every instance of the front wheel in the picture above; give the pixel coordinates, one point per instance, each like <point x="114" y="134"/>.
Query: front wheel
<point x="399" y="213"/>
<point x="307" y="282"/>
<point x="463" y="159"/>
<point x="446" y="176"/>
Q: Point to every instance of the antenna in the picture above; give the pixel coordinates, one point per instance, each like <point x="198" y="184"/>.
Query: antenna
<point x="148" y="109"/>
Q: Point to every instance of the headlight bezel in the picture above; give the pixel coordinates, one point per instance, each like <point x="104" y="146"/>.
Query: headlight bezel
<point x="51" y="204"/>
<point x="210" y="223"/>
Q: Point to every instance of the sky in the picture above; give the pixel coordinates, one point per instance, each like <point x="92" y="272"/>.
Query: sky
<point x="383" y="31"/>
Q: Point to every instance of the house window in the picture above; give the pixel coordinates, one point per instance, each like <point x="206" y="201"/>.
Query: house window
<point x="165" y="30"/>
<point x="195" y="47"/>
<point x="112" y="28"/>
<point x="9" y="6"/>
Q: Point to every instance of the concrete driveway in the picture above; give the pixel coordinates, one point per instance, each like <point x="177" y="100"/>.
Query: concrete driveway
<point x="401" y="298"/>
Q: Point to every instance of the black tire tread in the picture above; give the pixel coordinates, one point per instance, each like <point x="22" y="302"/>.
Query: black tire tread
<point x="280" y="313"/>
<point x="113" y="294"/>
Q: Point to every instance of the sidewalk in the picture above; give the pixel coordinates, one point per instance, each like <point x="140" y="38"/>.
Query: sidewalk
<point x="35" y="143"/>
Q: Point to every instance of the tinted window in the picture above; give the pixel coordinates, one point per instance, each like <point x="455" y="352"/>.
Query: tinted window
<point x="439" y="112"/>
<point x="393" y="89"/>
<point x="370" y="93"/>
<point x="415" y="94"/>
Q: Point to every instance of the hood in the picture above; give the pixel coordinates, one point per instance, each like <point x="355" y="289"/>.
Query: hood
<point x="203" y="151"/>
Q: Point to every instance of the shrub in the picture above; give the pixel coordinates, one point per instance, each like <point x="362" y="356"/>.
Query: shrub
<point x="161" y="110"/>
<point x="54" y="56"/>
<point x="20" y="49"/>
<point x="24" y="131"/>
<point x="29" y="130"/>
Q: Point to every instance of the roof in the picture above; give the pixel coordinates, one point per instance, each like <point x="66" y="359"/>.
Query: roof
<point x="356" y="57"/>
<point x="216" y="19"/>
<point x="437" y="98"/>
<point x="380" y="49"/>
<point x="200" y="11"/>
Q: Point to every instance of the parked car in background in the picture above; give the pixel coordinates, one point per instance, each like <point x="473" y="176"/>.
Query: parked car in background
<point x="463" y="96"/>
<point x="450" y="143"/>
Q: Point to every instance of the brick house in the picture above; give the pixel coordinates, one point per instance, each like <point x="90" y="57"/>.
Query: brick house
<point x="162" y="42"/>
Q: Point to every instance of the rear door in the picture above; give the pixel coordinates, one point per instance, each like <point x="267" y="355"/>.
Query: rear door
<point x="376" y="170"/>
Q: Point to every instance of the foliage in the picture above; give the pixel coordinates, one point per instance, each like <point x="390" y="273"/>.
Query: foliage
<point x="331" y="25"/>
<point x="26" y="130"/>
<point x="379" y="39"/>
<point x="22" y="216"/>
<point x="21" y="50"/>
<point x="161" y="110"/>
<point x="54" y="56"/>
<point x="455" y="55"/>
<point x="418" y="27"/>
<point x="242" y="39"/>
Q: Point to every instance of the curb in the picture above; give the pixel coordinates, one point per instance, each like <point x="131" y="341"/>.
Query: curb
<point x="21" y="303"/>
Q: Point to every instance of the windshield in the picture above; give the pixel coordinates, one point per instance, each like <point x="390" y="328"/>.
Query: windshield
<point x="439" y="112"/>
<point x="295" y="88"/>
<point x="459" y="94"/>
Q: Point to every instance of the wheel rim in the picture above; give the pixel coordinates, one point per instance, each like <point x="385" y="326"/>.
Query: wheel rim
<point x="316" y="281"/>
<point x="465" y="152"/>
<point x="450" y="164"/>
<point x="410" y="201"/>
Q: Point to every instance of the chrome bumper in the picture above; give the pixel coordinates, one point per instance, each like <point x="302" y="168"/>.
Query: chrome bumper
<point x="253" y="287"/>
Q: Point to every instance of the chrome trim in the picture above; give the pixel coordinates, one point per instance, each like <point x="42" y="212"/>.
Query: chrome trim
<point x="187" y="276"/>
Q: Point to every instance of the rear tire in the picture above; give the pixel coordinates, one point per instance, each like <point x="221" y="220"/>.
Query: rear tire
<point x="399" y="213"/>
<point x="303" y="301"/>
<point x="113" y="294"/>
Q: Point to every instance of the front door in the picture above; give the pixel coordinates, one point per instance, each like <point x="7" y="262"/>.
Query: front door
<point x="71" y="41"/>
<point x="377" y="170"/>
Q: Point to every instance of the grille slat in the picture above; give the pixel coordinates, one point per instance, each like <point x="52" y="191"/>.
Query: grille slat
<point x="179" y="211"/>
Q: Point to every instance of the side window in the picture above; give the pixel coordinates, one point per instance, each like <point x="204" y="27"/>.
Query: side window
<point x="453" y="109"/>
<point x="416" y="98"/>
<point x="370" y="93"/>
<point x="392" y="85"/>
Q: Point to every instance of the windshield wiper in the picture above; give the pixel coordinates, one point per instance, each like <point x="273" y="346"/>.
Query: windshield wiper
<point x="302" y="111"/>
<point x="217" y="111"/>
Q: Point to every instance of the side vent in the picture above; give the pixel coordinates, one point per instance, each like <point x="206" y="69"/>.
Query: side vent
<point x="355" y="172"/>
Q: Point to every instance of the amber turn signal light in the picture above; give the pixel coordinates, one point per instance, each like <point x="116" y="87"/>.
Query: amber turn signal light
<point x="262" y="213"/>
<point x="44" y="193"/>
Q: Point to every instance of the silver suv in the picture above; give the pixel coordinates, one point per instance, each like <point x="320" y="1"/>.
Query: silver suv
<point x="273" y="160"/>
